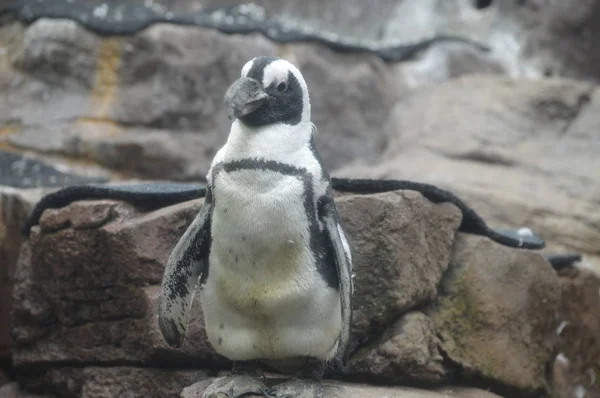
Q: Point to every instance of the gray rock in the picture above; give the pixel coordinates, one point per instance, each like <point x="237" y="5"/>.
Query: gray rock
<point x="124" y="102"/>
<point x="520" y="152"/>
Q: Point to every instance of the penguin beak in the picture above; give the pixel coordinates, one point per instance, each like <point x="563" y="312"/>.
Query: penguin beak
<point x="243" y="97"/>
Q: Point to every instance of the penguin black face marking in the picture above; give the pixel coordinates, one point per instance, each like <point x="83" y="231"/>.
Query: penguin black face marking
<point x="268" y="92"/>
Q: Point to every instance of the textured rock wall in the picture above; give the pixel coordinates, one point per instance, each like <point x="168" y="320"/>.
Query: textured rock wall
<point x="87" y="282"/>
<point x="520" y="144"/>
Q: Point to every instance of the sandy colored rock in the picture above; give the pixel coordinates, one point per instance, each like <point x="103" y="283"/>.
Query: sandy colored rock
<point x="401" y="246"/>
<point x="406" y="352"/>
<point x="496" y="313"/>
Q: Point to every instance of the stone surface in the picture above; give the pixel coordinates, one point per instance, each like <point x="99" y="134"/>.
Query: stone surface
<point x="531" y="38"/>
<point x="336" y="389"/>
<point x="520" y="152"/>
<point x="125" y="103"/>
<point x="528" y="38"/>
<point x="401" y="246"/>
<point x="577" y="365"/>
<point x="15" y="206"/>
<point x="92" y="270"/>
<point x="406" y="351"/>
<point x="87" y="283"/>
<point x="94" y="279"/>
<point x="12" y="390"/>
<point x="496" y="313"/>
<point x="117" y="381"/>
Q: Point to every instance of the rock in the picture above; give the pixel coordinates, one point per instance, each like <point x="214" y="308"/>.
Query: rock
<point x="577" y="364"/>
<point x="351" y="97"/>
<point x="155" y="99"/>
<point x="434" y="308"/>
<point x="408" y="351"/>
<point x="496" y="313"/>
<point x="15" y="206"/>
<point x="12" y="390"/>
<point x="336" y="389"/>
<point x="23" y="171"/>
<point x="117" y="381"/>
<point x="91" y="270"/>
<point x="555" y="37"/>
<point x="401" y="247"/>
<point x="520" y="152"/>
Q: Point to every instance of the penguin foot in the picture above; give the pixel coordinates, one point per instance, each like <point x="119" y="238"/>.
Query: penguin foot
<point x="237" y="386"/>
<point x="299" y="388"/>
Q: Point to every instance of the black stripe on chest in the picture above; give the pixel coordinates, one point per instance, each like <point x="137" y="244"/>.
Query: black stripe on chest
<point x="319" y="245"/>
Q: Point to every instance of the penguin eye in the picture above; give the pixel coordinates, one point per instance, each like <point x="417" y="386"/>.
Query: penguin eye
<point x="282" y="86"/>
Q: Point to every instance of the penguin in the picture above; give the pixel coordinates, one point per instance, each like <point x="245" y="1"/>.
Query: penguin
<point x="267" y="252"/>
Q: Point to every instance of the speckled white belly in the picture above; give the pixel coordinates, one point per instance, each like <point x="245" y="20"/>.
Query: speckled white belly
<point x="263" y="297"/>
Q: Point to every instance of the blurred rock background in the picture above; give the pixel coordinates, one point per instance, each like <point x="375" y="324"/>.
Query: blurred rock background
<point x="496" y="101"/>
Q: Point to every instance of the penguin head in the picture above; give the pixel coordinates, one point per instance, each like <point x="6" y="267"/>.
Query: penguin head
<point x="271" y="90"/>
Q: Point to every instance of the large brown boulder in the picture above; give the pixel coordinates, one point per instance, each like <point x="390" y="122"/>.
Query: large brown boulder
<point x="401" y="246"/>
<point x="91" y="270"/>
<point x="496" y="314"/>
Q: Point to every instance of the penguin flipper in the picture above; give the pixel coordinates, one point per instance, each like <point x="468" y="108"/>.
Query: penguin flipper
<point x="186" y="266"/>
<point x="343" y="263"/>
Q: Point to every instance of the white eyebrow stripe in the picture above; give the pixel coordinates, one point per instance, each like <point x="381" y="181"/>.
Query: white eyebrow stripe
<point x="276" y="71"/>
<point x="247" y="67"/>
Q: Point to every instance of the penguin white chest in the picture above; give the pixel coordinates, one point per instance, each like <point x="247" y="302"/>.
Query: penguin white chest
<point x="260" y="233"/>
<point x="263" y="297"/>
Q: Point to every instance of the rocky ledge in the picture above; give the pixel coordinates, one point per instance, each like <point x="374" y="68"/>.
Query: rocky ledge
<point x="433" y="307"/>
